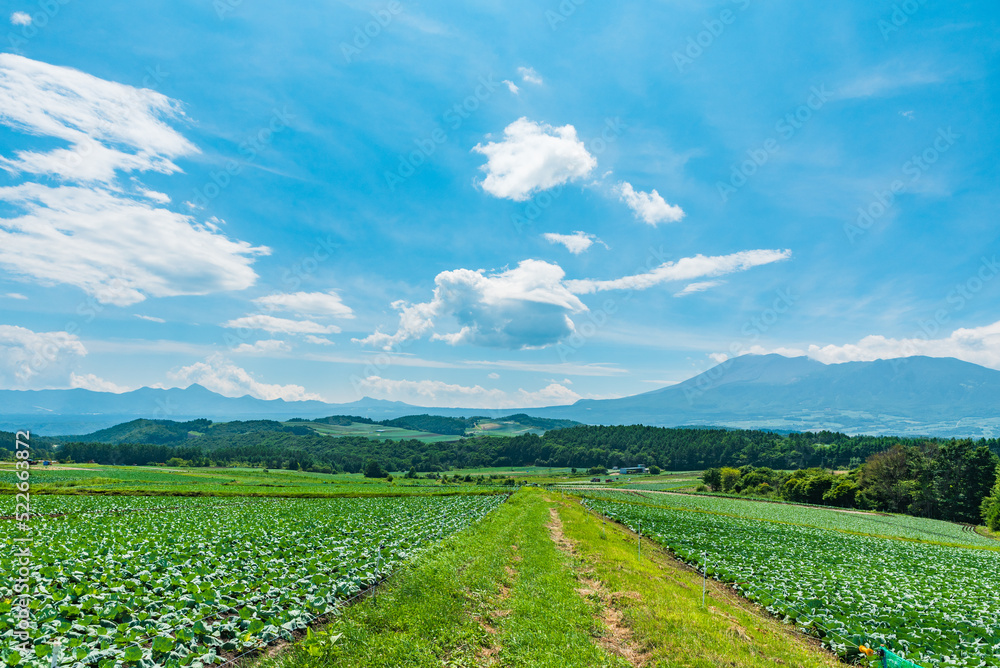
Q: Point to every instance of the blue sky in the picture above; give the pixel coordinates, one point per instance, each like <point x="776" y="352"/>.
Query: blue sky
<point x="501" y="205"/>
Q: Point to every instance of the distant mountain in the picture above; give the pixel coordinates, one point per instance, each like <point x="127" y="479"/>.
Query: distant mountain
<point x="911" y="396"/>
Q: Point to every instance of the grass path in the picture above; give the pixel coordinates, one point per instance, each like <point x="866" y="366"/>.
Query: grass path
<point x="539" y="582"/>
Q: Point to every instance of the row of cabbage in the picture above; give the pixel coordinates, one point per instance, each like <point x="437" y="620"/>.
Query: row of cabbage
<point x="939" y="605"/>
<point x="190" y="582"/>
<point x="875" y="524"/>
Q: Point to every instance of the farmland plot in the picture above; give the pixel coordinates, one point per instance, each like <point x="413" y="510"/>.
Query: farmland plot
<point x="190" y="581"/>
<point x="936" y="604"/>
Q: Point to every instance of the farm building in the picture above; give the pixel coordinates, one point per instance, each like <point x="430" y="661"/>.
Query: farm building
<point x="632" y="470"/>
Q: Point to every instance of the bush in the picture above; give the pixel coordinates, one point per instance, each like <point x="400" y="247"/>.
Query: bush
<point x="374" y="470"/>
<point x="701" y="488"/>
<point x="654" y="470"/>
<point x="597" y="470"/>
<point x="712" y="478"/>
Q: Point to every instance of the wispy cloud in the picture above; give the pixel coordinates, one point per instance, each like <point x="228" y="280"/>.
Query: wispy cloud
<point x="529" y="75"/>
<point x="271" y="324"/>
<point x="575" y="243"/>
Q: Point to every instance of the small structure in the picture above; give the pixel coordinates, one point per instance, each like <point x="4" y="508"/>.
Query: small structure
<point x="633" y="470"/>
<point x="595" y="480"/>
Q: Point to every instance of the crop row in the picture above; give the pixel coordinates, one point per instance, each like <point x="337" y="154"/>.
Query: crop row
<point x="187" y="582"/>
<point x="931" y="603"/>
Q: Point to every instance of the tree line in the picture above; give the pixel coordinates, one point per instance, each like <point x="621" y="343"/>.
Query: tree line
<point x="955" y="481"/>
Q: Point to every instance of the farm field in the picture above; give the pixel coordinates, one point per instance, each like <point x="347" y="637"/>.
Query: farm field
<point x="99" y="479"/>
<point x="937" y="604"/>
<point x="191" y="581"/>
<point x="540" y="582"/>
<point x="374" y="431"/>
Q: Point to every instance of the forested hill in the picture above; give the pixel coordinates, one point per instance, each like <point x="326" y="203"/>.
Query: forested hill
<point x="580" y="446"/>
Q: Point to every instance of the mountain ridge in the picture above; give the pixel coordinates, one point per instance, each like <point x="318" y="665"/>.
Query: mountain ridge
<point x="905" y="396"/>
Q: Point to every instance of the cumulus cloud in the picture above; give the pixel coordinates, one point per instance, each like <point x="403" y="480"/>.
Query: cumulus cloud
<point x="31" y="360"/>
<point x="649" y="207"/>
<point x="511" y="86"/>
<point x="95" y="384"/>
<point x="529" y="75"/>
<point x="263" y="347"/>
<point x="533" y="157"/>
<point x="271" y="324"/>
<point x="307" y="304"/>
<point x="220" y="375"/>
<point x="524" y="307"/>
<point x="20" y="19"/>
<point x="685" y="269"/>
<point x="111" y="240"/>
<point x="530" y="306"/>
<point x="575" y="243"/>
<point x="150" y="318"/>
<point x="699" y="286"/>
<point x="438" y="394"/>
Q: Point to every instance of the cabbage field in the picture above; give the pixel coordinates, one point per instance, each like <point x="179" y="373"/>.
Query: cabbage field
<point x="937" y="604"/>
<point x="178" y="581"/>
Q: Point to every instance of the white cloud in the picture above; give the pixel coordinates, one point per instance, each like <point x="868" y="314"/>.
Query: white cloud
<point x="14" y="295"/>
<point x="319" y="340"/>
<point x="649" y="207"/>
<point x="438" y="394"/>
<point x="575" y="243"/>
<point x="20" y="19"/>
<point x="220" y="375"/>
<point x="979" y="345"/>
<point x="149" y="318"/>
<point x="95" y="384"/>
<point x="530" y="306"/>
<point x="511" y="86"/>
<point x="109" y="126"/>
<point x="263" y="347"/>
<point x="701" y="286"/>
<point x="117" y="247"/>
<point x="533" y="157"/>
<point x="307" y="304"/>
<point x="718" y="358"/>
<point x="529" y="75"/>
<point x="685" y="269"/>
<point x="524" y="307"/>
<point x="280" y="325"/>
<point x="493" y="375"/>
<point x="36" y="359"/>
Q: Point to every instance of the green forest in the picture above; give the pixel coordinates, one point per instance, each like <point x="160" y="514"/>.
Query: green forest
<point x="928" y="477"/>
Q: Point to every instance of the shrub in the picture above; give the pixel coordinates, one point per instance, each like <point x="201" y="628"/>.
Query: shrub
<point x="701" y="488"/>
<point x="654" y="470"/>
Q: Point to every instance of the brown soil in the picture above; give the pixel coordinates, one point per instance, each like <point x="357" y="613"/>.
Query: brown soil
<point x="618" y="637"/>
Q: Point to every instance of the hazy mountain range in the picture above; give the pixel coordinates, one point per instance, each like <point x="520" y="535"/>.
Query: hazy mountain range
<point x="915" y="395"/>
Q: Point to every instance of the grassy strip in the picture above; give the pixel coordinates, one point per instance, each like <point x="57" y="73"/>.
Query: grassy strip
<point x="497" y="594"/>
<point x="659" y="601"/>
